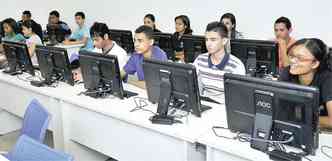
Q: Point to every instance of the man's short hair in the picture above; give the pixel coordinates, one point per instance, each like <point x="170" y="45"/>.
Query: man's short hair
<point x="27" y="13"/>
<point x="81" y="14"/>
<point x="285" y="21"/>
<point x="55" y="13"/>
<point x="148" y="31"/>
<point x="218" y="27"/>
<point x="99" y="30"/>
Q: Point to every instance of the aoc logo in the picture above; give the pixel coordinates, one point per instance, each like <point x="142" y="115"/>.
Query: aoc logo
<point x="263" y="104"/>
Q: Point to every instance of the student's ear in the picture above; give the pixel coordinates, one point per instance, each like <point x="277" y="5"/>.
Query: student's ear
<point x="106" y="37"/>
<point x="290" y="30"/>
<point x="151" y="42"/>
<point x="225" y="41"/>
<point x="315" y="64"/>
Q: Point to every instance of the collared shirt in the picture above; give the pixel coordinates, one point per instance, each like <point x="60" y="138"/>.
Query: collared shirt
<point x="135" y="62"/>
<point x="211" y="77"/>
<point x="81" y="33"/>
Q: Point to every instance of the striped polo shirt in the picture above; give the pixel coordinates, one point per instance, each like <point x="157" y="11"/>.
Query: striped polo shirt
<point x="211" y="77"/>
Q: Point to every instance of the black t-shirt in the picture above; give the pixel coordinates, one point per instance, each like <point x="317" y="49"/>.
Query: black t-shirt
<point x="177" y="42"/>
<point x="322" y="81"/>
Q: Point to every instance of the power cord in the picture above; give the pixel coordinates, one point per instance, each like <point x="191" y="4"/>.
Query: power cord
<point x="140" y="103"/>
<point x="323" y="151"/>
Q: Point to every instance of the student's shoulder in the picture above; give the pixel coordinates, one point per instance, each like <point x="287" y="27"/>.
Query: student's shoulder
<point x="235" y="59"/>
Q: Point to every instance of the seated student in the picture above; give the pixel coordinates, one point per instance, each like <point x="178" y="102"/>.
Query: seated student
<point x="33" y="40"/>
<point x="56" y="29"/>
<point x="228" y="19"/>
<point x="11" y="33"/>
<point x="26" y="16"/>
<point x="149" y="20"/>
<point x="81" y="35"/>
<point x="212" y="66"/>
<point x="144" y="49"/>
<point x="182" y="26"/>
<point x="310" y="65"/>
<point x="282" y="31"/>
<point x="102" y="40"/>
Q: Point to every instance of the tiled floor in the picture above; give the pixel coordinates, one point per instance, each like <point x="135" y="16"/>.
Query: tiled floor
<point x="8" y="141"/>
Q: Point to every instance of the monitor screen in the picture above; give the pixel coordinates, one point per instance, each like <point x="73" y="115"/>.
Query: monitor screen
<point x="101" y="75"/>
<point x="193" y="45"/>
<point x="170" y="84"/>
<point x="164" y="41"/>
<point x="54" y="64"/>
<point x="124" y="38"/>
<point x="293" y="109"/>
<point x="259" y="56"/>
<point x="18" y="58"/>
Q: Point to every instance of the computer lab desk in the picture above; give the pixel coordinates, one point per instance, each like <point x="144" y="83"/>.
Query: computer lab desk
<point x="93" y="129"/>
<point x="218" y="148"/>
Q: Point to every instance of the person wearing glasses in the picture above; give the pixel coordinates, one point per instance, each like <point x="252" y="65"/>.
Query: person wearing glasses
<point x="310" y="65"/>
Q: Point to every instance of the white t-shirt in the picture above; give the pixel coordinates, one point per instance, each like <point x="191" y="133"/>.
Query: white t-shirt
<point x="119" y="52"/>
<point x="34" y="40"/>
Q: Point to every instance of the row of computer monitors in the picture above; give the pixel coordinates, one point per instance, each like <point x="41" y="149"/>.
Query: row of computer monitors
<point x="259" y="56"/>
<point x="293" y="108"/>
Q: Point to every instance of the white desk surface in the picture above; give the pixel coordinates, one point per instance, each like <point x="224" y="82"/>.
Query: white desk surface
<point x="2" y="158"/>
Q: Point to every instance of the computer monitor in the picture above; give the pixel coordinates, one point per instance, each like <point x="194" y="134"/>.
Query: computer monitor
<point x="101" y="75"/>
<point x="272" y="110"/>
<point x="124" y="38"/>
<point x="54" y="65"/>
<point x="18" y="58"/>
<point x="164" y="41"/>
<point x="172" y="85"/>
<point x="193" y="45"/>
<point x="259" y="56"/>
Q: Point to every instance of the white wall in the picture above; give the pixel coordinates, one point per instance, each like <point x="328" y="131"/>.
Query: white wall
<point x="310" y="18"/>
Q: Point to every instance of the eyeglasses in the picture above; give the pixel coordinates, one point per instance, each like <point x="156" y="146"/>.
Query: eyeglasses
<point x="298" y="58"/>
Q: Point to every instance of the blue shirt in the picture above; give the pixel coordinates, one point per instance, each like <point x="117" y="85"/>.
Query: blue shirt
<point x="14" y="37"/>
<point x="135" y="62"/>
<point x="80" y="33"/>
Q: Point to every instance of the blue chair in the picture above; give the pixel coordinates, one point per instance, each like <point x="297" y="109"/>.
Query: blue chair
<point x="28" y="149"/>
<point x="35" y="121"/>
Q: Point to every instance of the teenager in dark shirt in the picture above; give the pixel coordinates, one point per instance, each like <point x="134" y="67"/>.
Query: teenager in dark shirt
<point x="56" y="29"/>
<point x="150" y="20"/>
<point x="310" y="65"/>
<point x="182" y="26"/>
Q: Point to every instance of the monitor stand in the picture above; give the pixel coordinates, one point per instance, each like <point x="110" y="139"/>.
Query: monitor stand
<point x="164" y="100"/>
<point x="263" y="120"/>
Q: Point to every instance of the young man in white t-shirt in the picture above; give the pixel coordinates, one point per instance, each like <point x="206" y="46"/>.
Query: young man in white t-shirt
<point x="102" y="40"/>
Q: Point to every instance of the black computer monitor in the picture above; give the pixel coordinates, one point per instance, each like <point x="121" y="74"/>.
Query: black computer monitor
<point x="101" y="75"/>
<point x="164" y="41"/>
<point x="272" y="110"/>
<point x="124" y="38"/>
<point x="172" y="85"/>
<point x="193" y="45"/>
<point x="260" y="57"/>
<point x="18" y="58"/>
<point x="54" y="64"/>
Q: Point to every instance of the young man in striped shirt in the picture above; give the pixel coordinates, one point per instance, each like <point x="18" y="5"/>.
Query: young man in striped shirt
<point x="212" y="66"/>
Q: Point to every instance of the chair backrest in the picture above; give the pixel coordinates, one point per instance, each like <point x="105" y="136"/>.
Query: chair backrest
<point x="27" y="149"/>
<point x="35" y="121"/>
